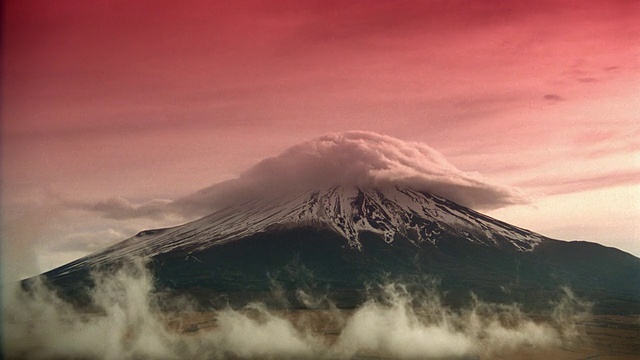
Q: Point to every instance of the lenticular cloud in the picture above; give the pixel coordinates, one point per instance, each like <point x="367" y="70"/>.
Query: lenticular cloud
<point x="362" y="159"/>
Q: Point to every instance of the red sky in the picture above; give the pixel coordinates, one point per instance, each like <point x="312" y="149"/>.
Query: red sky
<point x="157" y="99"/>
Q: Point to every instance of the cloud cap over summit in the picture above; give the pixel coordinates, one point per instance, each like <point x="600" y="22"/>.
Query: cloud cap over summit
<point x="362" y="159"/>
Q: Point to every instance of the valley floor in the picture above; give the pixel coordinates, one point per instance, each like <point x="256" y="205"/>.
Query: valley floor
<point x="369" y="332"/>
<point x="599" y="336"/>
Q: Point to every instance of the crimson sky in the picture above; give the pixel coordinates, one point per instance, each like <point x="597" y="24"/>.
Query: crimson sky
<point x="149" y="100"/>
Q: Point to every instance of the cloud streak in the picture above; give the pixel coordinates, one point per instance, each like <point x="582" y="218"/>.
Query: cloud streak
<point x="118" y="208"/>
<point x="556" y="186"/>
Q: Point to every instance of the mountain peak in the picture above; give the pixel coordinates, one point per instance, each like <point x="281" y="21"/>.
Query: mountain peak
<point x="392" y="213"/>
<point x="405" y="214"/>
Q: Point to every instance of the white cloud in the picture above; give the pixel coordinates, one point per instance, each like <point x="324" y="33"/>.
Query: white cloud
<point x="357" y="158"/>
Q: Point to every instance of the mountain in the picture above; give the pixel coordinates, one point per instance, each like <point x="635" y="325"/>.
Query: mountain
<point x="339" y="241"/>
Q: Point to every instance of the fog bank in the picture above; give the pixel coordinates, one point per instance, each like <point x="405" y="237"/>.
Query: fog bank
<point x="127" y="323"/>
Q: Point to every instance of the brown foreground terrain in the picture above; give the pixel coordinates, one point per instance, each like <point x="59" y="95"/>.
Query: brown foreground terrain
<point x="592" y="337"/>
<point x="599" y="336"/>
<point x="602" y="337"/>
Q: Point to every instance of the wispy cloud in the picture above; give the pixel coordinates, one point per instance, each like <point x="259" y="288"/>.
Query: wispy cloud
<point x="553" y="97"/>
<point x="119" y="208"/>
<point x="568" y="185"/>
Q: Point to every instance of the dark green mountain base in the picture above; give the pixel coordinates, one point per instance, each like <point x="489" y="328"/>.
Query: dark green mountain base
<point x="274" y="266"/>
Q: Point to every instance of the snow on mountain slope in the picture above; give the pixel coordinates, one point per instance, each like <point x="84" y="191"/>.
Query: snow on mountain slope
<point x="395" y="213"/>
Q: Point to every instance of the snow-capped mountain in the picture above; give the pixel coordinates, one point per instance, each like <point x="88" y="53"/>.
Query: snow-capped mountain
<point x="345" y="237"/>
<point x="394" y="213"/>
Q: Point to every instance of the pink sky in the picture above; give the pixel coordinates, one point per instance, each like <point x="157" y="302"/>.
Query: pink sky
<point x="157" y="99"/>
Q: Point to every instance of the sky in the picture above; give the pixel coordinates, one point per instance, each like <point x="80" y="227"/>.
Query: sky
<point x="136" y="104"/>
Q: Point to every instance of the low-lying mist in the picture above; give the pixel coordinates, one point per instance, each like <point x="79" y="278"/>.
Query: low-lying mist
<point x="126" y="322"/>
